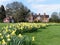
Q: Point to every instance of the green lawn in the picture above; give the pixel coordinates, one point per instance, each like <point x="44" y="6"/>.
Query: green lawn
<point x="48" y="36"/>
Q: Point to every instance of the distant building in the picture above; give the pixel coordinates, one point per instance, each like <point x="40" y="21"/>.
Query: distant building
<point x="38" y="18"/>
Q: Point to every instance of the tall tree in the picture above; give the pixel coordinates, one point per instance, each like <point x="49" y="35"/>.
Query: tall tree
<point x="54" y="17"/>
<point x="2" y="12"/>
<point x="18" y="10"/>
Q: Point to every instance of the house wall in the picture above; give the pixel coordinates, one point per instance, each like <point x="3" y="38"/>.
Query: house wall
<point x="30" y="18"/>
<point x="45" y="20"/>
<point x="37" y="19"/>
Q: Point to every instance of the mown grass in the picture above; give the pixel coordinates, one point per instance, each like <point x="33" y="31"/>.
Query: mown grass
<point x="48" y="36"/>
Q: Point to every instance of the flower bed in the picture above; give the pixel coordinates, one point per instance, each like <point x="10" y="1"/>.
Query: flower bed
<point x="24" y="27"/>
<point x="7" y="38"/>
<point x="11" y="34"/>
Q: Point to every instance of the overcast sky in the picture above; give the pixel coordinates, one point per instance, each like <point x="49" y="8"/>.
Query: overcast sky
<point x="38" y="6"/>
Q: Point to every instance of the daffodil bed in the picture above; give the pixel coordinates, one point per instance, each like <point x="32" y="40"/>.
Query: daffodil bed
<point x="14" y="34"/>
<point x="21" y="28"/>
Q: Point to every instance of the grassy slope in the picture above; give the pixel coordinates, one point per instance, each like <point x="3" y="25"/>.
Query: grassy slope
<point x="49" y="36"/>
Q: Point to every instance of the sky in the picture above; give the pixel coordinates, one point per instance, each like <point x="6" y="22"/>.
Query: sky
<point x="38" y="6"/>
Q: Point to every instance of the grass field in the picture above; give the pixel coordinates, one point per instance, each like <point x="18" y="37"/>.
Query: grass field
<point x="48" y="36"/>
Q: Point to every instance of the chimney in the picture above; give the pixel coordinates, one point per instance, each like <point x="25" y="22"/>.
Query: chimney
<point x="39" y="13"/>
<point x="31" y="13"/>
<point x="44" y="13"/>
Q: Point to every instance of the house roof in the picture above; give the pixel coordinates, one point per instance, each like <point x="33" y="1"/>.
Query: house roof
<point x="35" y="16"/>
<point x="46" y="16"/>
<point x="39" y="15"/>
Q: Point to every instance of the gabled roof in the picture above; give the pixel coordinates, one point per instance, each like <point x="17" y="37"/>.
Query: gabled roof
<point x="46" y="16"/>
<point x="35" y="16"/>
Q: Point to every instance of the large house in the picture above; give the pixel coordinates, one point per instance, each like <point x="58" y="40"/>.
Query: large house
<point x="38" y="18"/>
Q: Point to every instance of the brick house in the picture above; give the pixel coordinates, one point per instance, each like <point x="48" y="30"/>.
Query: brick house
<point x="38" y="18"/>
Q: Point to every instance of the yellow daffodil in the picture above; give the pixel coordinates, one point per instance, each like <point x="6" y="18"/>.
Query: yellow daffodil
<point x="1" y="37"/>
<point x="33" y="38"/>
<point x="13" y="33"/>
<point x="3" y="42"/>
<point x="0" y="34"/>
<point x="8" y="36"/>
<point x="20" y="35"/>
<point x="6" y="30"/>
<point x="8" y="39"/>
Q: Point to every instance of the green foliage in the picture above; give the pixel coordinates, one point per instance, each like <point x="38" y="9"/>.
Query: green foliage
<point x="55" y="17"/>
<point x="20" y="41"/>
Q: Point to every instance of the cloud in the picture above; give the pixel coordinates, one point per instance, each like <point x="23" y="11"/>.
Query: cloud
<point x="30" y="1"/>
<point x="4" y="0"/>
<point x="41" y="8"/>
